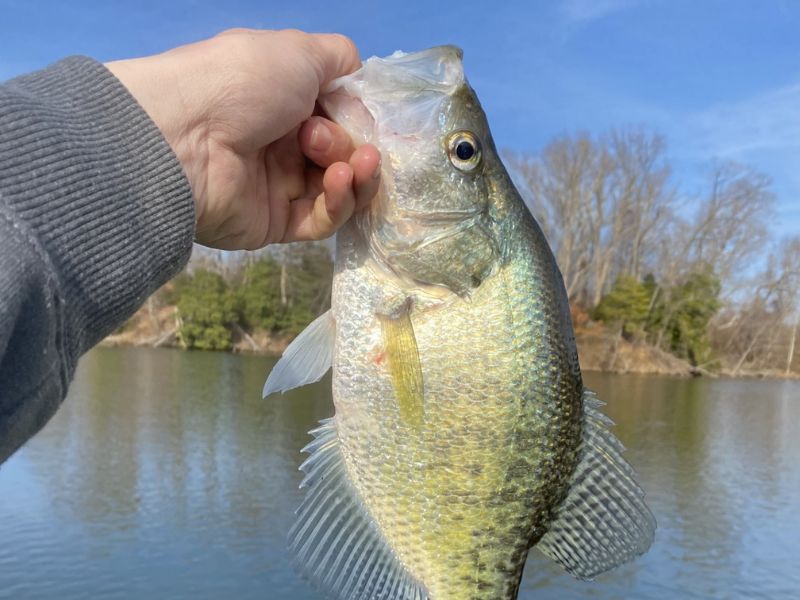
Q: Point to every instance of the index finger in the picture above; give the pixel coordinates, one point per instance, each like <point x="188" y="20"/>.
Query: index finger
<point x="337" y="55"/>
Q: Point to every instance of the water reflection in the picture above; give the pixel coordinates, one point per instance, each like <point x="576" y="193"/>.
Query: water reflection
<point x="166" y="475"/>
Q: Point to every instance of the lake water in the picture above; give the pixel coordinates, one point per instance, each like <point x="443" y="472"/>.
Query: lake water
<point x="165" y="475"/>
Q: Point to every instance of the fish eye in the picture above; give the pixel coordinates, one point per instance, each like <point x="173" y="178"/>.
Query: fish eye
<point x="464" y="150"/>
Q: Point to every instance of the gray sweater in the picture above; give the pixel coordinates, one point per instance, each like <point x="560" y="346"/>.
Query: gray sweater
<point x="95" y="214"/>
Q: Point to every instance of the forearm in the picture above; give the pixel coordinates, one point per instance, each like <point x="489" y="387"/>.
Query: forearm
<point x="95" y="214"/>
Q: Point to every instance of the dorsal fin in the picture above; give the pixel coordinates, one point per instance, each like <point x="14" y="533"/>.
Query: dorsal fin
<point x="603" y="522"/>
<point x="336" y="542"/>
<point x="306" y="359"/>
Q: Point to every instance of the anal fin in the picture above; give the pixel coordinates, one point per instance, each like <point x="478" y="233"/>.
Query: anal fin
<point x="603" y="522"/>
<point x="336" y="543"/>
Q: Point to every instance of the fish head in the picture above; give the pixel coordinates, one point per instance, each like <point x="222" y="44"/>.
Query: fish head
<point x="433" y="220"/>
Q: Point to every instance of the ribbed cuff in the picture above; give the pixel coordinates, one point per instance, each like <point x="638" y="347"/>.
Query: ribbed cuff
<point x="84" y="167"/>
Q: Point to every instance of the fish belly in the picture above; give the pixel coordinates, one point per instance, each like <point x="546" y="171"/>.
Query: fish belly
<point x="461" y="497"/>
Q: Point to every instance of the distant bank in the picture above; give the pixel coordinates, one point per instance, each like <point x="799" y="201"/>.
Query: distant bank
<point x="598" y="348"/>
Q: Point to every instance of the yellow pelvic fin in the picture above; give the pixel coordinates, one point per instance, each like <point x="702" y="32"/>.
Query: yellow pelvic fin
<point x="404" y="365"/>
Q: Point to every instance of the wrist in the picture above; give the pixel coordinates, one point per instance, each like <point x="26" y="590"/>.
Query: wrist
<point x="156" y="87"/>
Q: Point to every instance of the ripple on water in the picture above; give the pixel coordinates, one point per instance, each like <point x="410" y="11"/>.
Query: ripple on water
<point x="165" y="475"/>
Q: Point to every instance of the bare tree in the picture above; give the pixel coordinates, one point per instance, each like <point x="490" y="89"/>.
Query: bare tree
<point x="760" y="330"/>
<point x="730" y="224"/>
<point x="598" y="201"/>
<point x="788" y="294"/>
<point x="563" y="188"/>
<point x="639" y="198"/>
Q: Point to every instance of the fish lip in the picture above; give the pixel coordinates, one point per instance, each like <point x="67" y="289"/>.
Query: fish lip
<point x="394" y="96"/>
<point x="437" y="69"/>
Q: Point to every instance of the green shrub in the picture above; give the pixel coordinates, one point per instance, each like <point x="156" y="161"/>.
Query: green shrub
<point x="692" y="304"/>
<point x="628" y="304"/>
<point x="207" y="309"/>
<point x="307" y="275"/>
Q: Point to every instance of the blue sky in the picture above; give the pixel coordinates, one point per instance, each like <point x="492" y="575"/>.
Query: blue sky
<point x="719" y="79"/>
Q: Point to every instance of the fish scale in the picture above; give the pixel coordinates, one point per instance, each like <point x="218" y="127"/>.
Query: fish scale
<point x="485" y="407"/>
<point x="463" y="435"/>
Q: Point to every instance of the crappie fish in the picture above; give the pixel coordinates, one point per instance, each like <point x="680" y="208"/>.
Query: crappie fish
<point x="463" y="434"/>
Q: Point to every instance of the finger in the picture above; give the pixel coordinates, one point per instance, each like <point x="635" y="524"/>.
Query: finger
<point x="337" y="55"/>
<point x="366" y="165"/>
<point x="325" y="142"/>
<point x="285" y="175"/>
<point x="318" y="218"/>
<point x="286" y="166"/>
<point x="314" y="182"/>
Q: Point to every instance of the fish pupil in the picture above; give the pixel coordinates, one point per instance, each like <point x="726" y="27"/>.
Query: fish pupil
<point x="465" y="150"/>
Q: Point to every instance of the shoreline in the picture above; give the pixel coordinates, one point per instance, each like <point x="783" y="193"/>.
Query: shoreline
<point x="598" y="352"/>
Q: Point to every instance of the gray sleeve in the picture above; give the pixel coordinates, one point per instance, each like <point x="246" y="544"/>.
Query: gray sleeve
<point x="95" y="214"/>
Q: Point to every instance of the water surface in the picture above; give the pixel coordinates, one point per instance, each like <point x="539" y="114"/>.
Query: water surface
<point x="164" y="475"/>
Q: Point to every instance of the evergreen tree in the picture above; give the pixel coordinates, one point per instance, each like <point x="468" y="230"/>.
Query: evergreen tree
<point x="693" y="302"/>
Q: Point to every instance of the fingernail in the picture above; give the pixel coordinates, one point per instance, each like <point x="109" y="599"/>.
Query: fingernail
<point x="377" y="172"/>
<point x="321" y="139"/>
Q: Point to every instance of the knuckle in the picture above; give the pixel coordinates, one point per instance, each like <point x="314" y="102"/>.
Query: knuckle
<point x="234" y="31"/>
<point x="347" y="43"/>
<point x="295" y="37"/>
<point x="232" y="44"/>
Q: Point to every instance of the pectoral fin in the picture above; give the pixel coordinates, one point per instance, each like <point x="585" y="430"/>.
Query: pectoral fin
<point x="306" y="359"/>
<point x="404" y="365"/>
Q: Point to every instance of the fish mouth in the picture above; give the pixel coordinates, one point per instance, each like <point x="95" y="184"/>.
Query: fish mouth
<point x="435" y="69"/>
<point x="394" y="95"/>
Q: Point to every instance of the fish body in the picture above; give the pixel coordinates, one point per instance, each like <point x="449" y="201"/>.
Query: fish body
<point x="463" y="434"/>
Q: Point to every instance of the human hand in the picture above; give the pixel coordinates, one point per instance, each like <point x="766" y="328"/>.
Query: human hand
<point x="237" y="110"/>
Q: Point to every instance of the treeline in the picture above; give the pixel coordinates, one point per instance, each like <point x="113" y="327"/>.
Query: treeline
<point x="221" y="298"/>
<point x="697" y="274"/>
